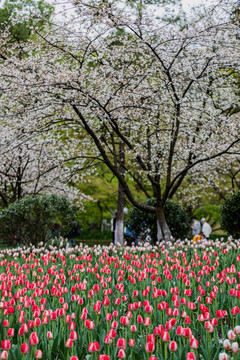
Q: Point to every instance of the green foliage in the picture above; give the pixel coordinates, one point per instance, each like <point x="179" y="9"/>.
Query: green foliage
<point x="212" y="213"/>
<point x="177" y="219"/>
<point x="20" y="31"/>
<point x="95" y="235"/>
<point x="231" y="215"/>
<point x="36" y="218"/>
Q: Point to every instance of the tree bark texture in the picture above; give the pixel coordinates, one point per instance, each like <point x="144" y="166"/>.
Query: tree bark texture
<point x="163" y="232"/>
<point x="119" y="236"/>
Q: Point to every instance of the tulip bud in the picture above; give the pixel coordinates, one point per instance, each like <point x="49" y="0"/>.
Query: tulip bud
<point x="227" y="344"/>
<point x="121" y="354"/>
<point x="231" y="336"/>
<point x="190" y="356"/>
<point x="165" y="336"/>
<point x="69" y="343"/>
<point x="173" y="346"/>
<point x="235" y="347"/>
<point x="149" y="347"/>
<point x="24" y="348"/>
<point x="10" y="333"/>
<point x="223" y="356"/>
<point x="237" y="330"/>
<point x="131" y="343"/>
<point x="193" y="343"/>
<point x="4" y="355"/>
<point x="121" y="343"/>
<point x="6" y="345"/>
<point x="38" y="354"/>
<point x="147" y="322"/>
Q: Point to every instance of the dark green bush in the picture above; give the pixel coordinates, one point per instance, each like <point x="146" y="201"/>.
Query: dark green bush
<point x="230" y="220"/>
<point x="177" y="219"/>
<point x="95" y="235"/>
<point x="35" y="219"/>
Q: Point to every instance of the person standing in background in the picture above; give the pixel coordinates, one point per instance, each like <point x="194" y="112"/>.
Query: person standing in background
<point x="196" y="227"/>
<point x="206" y="228"/>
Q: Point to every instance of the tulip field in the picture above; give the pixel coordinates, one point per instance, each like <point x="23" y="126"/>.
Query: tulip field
<point x="105" y="303"/>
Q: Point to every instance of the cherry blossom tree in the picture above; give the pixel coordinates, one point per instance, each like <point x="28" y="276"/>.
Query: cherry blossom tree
<point x="31" y="165"/>
<point x="121" y="76"/>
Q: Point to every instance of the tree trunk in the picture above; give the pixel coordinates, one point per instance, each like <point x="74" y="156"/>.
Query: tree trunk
<point x="101" y="215"/>
<point x="120" y="216"/>
<point x="163" y="232"/>
<point x="121" y="200"/>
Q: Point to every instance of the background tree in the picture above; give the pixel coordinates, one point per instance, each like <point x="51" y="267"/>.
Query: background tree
<point x="177" y="219"/>
<point x="35" y="219"/>
<point x="231" y="215"/>
<point x="161" y="91"/>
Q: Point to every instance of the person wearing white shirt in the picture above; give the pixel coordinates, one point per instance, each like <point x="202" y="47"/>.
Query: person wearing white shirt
<point x="206" y="228"/>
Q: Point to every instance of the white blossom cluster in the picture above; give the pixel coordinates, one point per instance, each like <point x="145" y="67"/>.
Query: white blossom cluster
<point x="120" y="75"/>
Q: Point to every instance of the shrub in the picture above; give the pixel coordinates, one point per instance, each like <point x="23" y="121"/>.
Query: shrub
<point x="36" y="218"/>
<point x="177" y="219"/>
<point x="230" y="220"/>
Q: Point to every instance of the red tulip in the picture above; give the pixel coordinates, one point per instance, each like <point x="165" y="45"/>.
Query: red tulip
<point x="180" y="331"/>
<point x="235" y="311"/>
<point x="131" y="343"/>
<point x="6" y="345"/>
<point x="69" y="343"/>
<point x="147" y="322"/>
<point x="106" y="302"/>
<point x="149" y="347"/>
<point x="124" y="320"/>
<point x="151" y="338"/>
<point x="112" y="333"/>
<point x="187" y="333"/>
<point x="220" y="314"/>
<point x="73" y="336"/>
<point x="133" y="328"/>
<point x="121" y="343"/>
<point x="173" y="346"/>
<point x="193" y="343"/>
<point x="97" y="346"/>
<point x="49" y="335"/>
<point x="190" y="356"/>
<point x="24" y="348"/>
<point x="33" y="339"/>
<point x="165" y="336"/>
<point x="38" y="354"/>
<point x="10" y="333"/>
<point x="4" y="355"/>
<point x="121" y="354"/>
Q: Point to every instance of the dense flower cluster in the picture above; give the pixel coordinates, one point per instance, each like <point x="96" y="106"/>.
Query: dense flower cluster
<point x="108" y="303"/>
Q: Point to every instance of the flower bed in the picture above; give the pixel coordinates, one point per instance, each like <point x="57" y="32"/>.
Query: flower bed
<point x="112" y="303"/>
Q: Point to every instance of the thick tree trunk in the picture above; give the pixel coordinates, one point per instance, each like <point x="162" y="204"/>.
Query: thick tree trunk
<point x="101" y="215"/>
<point x="163" y="232"/>
<point x="120" y="216"/>
<point x="121" y="199"/>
